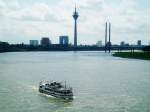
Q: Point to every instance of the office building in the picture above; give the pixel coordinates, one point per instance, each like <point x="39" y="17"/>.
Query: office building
<point x="139" y="43"/>
<point x="122" y="43"/>
<point x="45" y="41"/>
<point x="34" y="42"/>
<point x="99" y="44"/>
<point x="64" y="40"/>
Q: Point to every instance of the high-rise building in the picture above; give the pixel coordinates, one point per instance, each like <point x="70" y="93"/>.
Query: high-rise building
<point x="99" y="43"/>
<point x="139" y="43"/>
<point x="34" y="42"/>
<point x="75" y="16"/>
<point x="106" y="37"/>
<point x="108" y="44"/>
<point x="122" y="43"/>
<point x="45" y="41"/>
<point x="64" y="40"/>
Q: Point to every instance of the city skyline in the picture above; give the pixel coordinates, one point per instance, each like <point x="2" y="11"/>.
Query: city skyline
<point x="22" y="21"/>
<point x="64" y="40"/>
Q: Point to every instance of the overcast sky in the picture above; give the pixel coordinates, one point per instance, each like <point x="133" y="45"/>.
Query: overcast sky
<point x="23" y="20"/>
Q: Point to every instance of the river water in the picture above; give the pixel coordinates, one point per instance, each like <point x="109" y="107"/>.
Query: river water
<point x="101" y="83"/>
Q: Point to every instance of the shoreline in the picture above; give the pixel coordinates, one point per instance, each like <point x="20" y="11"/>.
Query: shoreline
<point x="133" y="55"/>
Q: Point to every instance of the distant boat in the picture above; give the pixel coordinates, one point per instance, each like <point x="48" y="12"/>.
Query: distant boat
<point x="56" y="89"/>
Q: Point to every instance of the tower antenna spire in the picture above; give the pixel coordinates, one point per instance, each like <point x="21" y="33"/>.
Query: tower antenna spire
<point x="75" y="7"/>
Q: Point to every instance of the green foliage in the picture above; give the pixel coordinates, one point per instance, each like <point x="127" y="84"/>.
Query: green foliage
<point x="135" y="55"/>
<point x="4" y="47"/>
<point x="146" y="48"/>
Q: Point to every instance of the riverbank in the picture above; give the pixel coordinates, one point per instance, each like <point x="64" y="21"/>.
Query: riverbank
<point x="133" y="55"/>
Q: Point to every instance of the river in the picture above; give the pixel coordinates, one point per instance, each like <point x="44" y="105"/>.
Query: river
<point x="100" y="82"/>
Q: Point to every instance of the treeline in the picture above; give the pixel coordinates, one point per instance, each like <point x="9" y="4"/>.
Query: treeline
<point x="146" y="48"/>
<point x="6" y="47"/>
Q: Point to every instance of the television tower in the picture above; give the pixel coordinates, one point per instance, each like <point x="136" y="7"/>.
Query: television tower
<point x="75" y="16"/>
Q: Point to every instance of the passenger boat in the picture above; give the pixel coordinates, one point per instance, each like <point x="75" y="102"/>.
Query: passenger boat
<point x="56" y="89"/>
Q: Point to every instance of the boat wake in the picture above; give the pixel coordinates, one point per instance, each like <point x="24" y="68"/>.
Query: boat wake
<point x="33" y="87"/>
